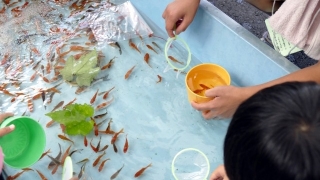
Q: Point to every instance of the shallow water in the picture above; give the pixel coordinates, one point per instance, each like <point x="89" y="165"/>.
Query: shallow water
<point x="157" y="117"/>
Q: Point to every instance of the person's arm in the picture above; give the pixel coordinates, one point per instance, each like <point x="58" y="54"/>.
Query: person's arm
<point x="219" y="174"/>
<point x="311" y="73"/>
<point x="228" y="98"/>
<point x="183" y="10"/>
<point x="8" y="129"/>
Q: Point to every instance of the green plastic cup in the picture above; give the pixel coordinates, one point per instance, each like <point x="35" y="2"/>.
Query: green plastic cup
<point x="25" y="144"/>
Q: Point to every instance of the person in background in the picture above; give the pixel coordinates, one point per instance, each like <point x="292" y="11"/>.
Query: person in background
<point x="302" y="30"/>
<point x="274" y="135"/>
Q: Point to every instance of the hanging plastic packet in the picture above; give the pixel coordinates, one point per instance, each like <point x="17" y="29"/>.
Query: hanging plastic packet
<point x="117" y="23"/>
<point x="178" y="58"/>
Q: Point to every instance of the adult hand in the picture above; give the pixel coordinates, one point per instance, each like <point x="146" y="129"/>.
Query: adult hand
<point x="184" y="10"/>
<point x="219" y="174"/>
<point x="8" y="129"/>
<point x="226" y="101"/>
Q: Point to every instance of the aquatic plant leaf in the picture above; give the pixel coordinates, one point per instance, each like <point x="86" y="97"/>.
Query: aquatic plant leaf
<point x="66" y="72"/>
<point x="85" y="69"/>
<point x="81" y="127"/>
<point x="87" y="78"/>
<point x="75" y="117"/>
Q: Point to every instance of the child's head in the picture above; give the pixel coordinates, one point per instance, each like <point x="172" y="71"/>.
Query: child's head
<point x="275" y="135"/>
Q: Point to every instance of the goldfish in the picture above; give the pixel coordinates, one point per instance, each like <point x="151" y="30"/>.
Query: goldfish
<point x="115" y="147"/>
<point x="146" y="58"/>
<point x="107" y="66"/>
<point x="16" y="175"/>
<point x="41" y="175"/>
<point x="44" y="78"/>
<point x="35" y="50"/>
<point x="95" y="149"/>
<point x="133" y="46"/>
<point x="93" y="99"/>
<point x="116" y="44"/>
<point x="129" y="72"/>
<point x="7" y="92"/>
<point x="83" y="161"/>
<point x="104" y="105"/>
<point x="115" y="136"/>
<point x="140" y="37"/>
<point x="100" y="115"/>
<point x="48" y="68"/>
<point x="116" y="173"/>
<point x="141" y="171"/>
<point x="101" y="122"/>
<point x="204" y="87"/>
<point x="49" y="124"/>
<point x="54" y="160"/>
<point x="106" y="93"/>
<point x="74" y="151"/>
<point x="34" y="75"/>
<point x="77" y="56"/>
<point x="65" y="155"/>
<point x="30" y="105"/>
<point x="174" y="60"/>
<point x="160" y="78"/>
<point x="108" y="130"/>
<point x="50" y="98"/>
<point x="77" y="48"/>
<point x="54" y="88"/>
<point x="45" y="153"/>
<point x="82" y="169"/>
<point x="27" y="169"/>
<point x="197" y="91"/>
<point x="55" y="169"/>
<point x="85" y="141"/>
<point x="104" y="148"/>
<point x="102" y="164"/>
<point x="37" y="96"/>
<point x="151" y="48"/>
<point x="126" y="145"/>
<point x="155" y="44"/>
<point x="96" y="130"/>
<point x="182" y="72"/>
<point x="58" y="106"/>
<point x="80" y="89"/>
<point x="52" y="163"/>
<point x="71" y="102"/>
<point x="65" y="138"/>
<point x="43" y="96"/>
<point x="5" y="59"/>
<point x="98" y="159"/>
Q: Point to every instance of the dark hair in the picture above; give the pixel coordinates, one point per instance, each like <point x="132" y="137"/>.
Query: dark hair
<point x="275" y="135"/>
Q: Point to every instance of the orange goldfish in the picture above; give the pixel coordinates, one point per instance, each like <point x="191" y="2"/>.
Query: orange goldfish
<point x="133" y="46"/>
<point x="98" y="159"/>
<point x="126" y="145"/>
<point x="160" y="78"/>
<point x="102" y="164"/>
<point x="141" y="171"/>
<point x="175" y="60"/>
<point x="129" y="72"/>
<point x="151" y="48"/>
<point x="115" y="136"/>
